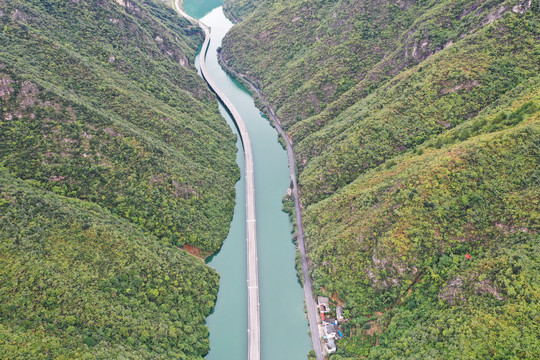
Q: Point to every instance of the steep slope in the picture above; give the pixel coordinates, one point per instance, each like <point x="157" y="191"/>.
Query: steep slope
<point x="274" y="49"/>
<point x="238" y="9"/>
<point x="415" y="127"/>
<point x="80" y="282"/>
<point x="100" y="103"/>
<point x="392" y="244"/>
<point x="112" y="156"/>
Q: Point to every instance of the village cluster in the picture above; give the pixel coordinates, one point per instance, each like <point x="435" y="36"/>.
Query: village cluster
<point x="331" y="326"/>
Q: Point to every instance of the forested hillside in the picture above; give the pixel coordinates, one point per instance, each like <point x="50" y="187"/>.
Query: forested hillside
<point x="415" y="125"/>
<point x="238" y="9"/>
<point x="80" y="282"/>
<point x="112" y="156"/>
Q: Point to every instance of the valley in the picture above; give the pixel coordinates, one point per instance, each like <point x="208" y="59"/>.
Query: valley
<point x="344" y="179"/>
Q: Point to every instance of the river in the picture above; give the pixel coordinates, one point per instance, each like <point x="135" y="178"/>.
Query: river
<point x="284" y="327"/>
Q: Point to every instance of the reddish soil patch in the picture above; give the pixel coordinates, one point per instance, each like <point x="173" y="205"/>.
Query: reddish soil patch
<point x="336" y="300"/>
<point x="195" y="251"/>
<point x="374" y="329"/>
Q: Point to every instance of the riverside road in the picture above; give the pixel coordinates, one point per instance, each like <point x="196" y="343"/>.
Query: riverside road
<point x="308" y="293"/>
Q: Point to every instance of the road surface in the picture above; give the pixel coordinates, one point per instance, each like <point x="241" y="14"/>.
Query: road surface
<point x="308" y="294"/>
<point x="254" y="327"/>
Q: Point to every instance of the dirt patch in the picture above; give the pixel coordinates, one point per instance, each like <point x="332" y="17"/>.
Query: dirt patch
<point x="336" y="300"/>
<point x="201" y="254"/>
<point x="375" y="328"/>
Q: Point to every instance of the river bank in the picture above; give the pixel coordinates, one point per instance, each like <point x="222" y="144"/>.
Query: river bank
<point x="284" y="330"/>
<point x="311" y="305"/>
<point x="254" y="328"/>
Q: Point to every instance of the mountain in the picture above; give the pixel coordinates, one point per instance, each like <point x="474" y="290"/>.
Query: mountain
<point x="415" y="126"/>
<point x="238" y="9"/>
<point x="113" y="155"/>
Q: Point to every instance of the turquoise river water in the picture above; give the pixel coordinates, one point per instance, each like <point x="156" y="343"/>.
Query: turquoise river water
<point x="284" y="327"/>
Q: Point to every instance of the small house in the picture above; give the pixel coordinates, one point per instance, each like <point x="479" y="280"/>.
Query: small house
<point x="324" y="304"/>
<point x="330" y="345"/>
<point x="330" y="321"/>
<point x="339" y="314"/>
<point x="330" y="331"/>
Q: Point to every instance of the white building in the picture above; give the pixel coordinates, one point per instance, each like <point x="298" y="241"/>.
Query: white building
<point x="330" y="345"/>
<point x="324" y="304"/>
<point x="330" y="331"/>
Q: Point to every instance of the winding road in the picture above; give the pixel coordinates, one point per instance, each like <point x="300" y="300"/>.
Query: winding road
<point x="254" y="327"/>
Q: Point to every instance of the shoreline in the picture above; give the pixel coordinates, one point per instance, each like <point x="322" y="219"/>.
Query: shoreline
<point x="308" y="291"/>
<point x="254" y="327"/>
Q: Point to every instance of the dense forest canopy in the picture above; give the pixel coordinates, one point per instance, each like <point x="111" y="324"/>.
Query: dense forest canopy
<point x="416" y="130"/>
<point x="117" y="115"/>
<point x="113" y="155"/>
<point x="80" y="282"/>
